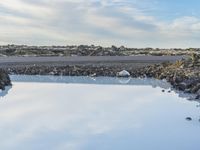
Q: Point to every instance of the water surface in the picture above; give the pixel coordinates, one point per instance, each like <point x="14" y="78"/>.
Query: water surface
<point x="82" y="113"/>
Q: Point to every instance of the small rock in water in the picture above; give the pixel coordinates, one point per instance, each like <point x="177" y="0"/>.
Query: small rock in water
<point x="123" y="73"/>
<point x="93" y="75"/>
<point x="188" y="119"/>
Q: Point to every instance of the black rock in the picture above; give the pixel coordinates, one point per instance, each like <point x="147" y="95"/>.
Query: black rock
<point x="188" y="118"/>
<point x="197" y="97"/>
<point x="114" y="48"/>
<point x="4" y="79"/>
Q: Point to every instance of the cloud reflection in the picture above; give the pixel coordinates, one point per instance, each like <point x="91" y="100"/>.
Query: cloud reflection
<point x="70" y="116"/>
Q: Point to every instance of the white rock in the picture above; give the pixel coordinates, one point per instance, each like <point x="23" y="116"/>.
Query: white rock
<point x="123" y="73"/>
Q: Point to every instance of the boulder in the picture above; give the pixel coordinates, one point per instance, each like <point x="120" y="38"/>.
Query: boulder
<point x="123" y="73"/>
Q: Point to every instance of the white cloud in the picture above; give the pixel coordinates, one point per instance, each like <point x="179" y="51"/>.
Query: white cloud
<point x="104" y="22"/>
<point x="26" y="8"/>
<point x="73" y="111"/>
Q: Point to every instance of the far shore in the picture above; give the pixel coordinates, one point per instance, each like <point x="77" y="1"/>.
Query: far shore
<point x="183" y="72"/>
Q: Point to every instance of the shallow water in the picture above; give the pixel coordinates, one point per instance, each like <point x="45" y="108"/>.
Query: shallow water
<point x="82" y="113"/>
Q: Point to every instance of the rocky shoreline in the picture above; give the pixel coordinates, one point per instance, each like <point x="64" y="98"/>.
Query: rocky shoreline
<point x="184" y="75"/>
<point x="4" y="79"/>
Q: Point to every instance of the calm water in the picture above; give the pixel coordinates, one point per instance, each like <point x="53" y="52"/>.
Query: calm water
<point x="81" y="113"/>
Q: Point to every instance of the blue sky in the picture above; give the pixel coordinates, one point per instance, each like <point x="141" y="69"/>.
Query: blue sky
<point x="132" y="23"/>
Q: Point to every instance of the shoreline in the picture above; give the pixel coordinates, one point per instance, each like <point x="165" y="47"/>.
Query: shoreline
<point x="182" y="74"/>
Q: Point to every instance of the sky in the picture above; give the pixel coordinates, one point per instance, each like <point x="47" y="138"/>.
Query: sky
<point x="132" y="23"/>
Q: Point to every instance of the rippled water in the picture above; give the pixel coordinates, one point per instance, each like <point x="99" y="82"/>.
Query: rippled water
<point x="82" y="113"/>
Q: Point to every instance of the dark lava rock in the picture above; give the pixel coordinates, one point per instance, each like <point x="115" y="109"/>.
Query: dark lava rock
<point x="198" y="92"/>
<point x="182" y="86"/>
<point x="190" y="83"/>
<point x="197" y="97"/>
<point x="114" y="48"/>
<point x="188" y="118"/>
<point x="4" y="79"/>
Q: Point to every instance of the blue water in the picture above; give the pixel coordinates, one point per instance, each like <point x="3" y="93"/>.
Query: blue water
<point x="83" y="113"/>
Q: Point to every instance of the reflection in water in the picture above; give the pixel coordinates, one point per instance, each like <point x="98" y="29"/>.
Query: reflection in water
<point x="77" y="116"/>
<point x="99" y="80"/>
<point x="90" y="80"/>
